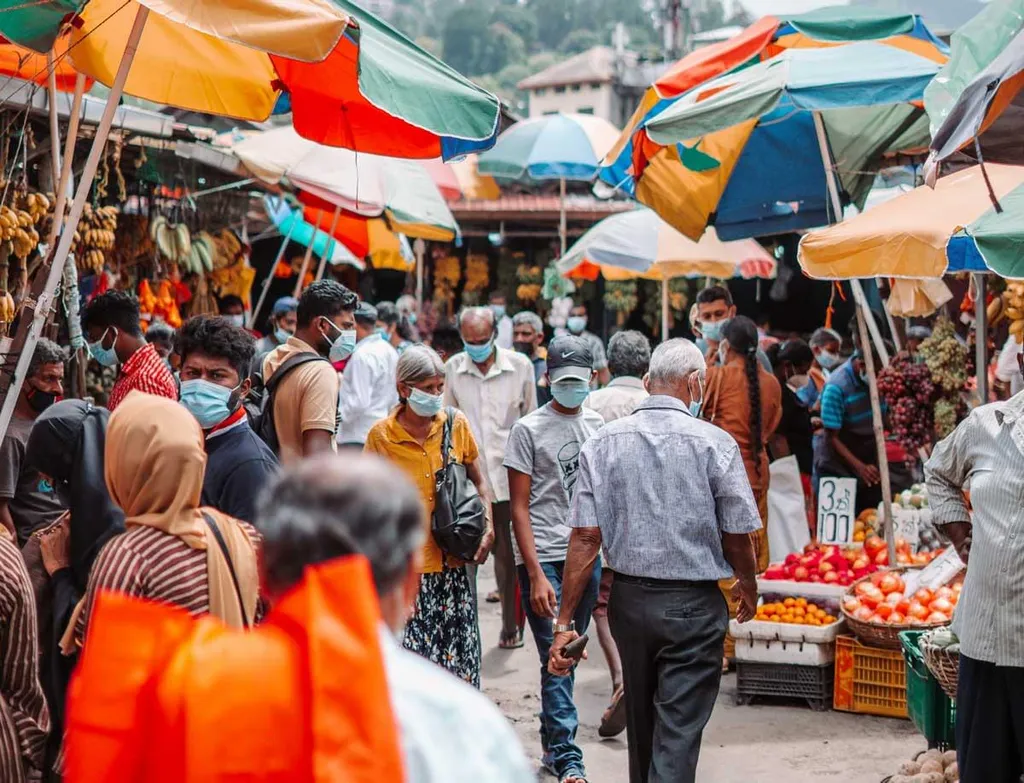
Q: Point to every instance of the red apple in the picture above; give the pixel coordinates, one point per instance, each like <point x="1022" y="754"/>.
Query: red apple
<point x="831" y="577"/>
<point x="816" y="576"/>
<point x="882" y="558"/>
<point x="825" y="567"/>
<point x="800" y="573"/>
<point x="775" y="572"/>
<point x="792" y="559"/>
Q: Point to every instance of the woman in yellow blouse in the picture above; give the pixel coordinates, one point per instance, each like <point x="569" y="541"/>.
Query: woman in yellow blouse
<point x="444" y="625"/>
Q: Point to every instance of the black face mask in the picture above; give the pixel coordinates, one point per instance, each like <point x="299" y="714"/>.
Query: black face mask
<point x="39" y="400"/>
<point x="523" y="347"/>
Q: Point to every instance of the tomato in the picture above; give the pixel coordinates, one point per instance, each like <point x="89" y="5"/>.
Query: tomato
<point x="882" y="558"/>
<point x="877" y="577"/>
<point x="896" y="618"/>
<point x="861" y="563"/>
<point x="851" y="604"/>
<point x="863" y="587"/>
<point x="903" y="607"/>
<point x="917" y="610"/>
<point x="925" y="596"/>
<point x="893" y="599"/>
<point x="941" y="605"/>
<point x="890" y="584"/>
<point x="945" y="592"/>
<point x="883" y="610"/>
<point x="872" y="598"/>
<point x="873" y="545"/>
<point x="877" y="619"/>
<point x="937" y="617"/>
<point x="864" y="614"/>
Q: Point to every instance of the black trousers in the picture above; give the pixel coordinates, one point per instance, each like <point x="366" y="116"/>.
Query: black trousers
<point x="989" y="722"/>
<point x="670" y="637"/>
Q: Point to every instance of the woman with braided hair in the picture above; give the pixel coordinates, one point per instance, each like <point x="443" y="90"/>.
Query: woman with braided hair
<point x="746" y="401"/>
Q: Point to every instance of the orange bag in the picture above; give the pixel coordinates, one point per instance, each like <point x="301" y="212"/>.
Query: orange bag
<point x="160" y="697"/>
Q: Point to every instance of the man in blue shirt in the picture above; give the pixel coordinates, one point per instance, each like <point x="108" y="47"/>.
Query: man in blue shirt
<point x="215" y="357"/>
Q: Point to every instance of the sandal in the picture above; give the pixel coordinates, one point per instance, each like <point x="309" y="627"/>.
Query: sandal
<point x="511" y="641"/>
<point x="613" y="722"/>
<point x="493" y="597"/>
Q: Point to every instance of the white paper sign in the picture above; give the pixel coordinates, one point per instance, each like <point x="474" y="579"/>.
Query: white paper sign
<point x="936" y="574"/>
<point x="837" y="502"/>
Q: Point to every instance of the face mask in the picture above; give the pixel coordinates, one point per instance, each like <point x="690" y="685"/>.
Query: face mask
<point x="713" y="331"/>
<point x="499" y="312"/>
<point x="576" y="323"/>
<point x="796" y="382"/>
<point x="864" y="377"/>
<point x="695" y="405"/>
<point x="282" y="335"/>
<point x="343" y="344"/>
<point x="523" y="347"/>
<point x="38" y="400"/>
<point x="412" y="318"/>
<point x="105" y="356"/>
<point x="828" y="360"/>
<point x="570" y="394"/>
<point x="807" y="395"/>
<point x="384" y="334"/>
<point x="423" y="404"/>
<point x="236" y="320"/>
<point x="479" y="353"/>
<point x="208" y="402"/>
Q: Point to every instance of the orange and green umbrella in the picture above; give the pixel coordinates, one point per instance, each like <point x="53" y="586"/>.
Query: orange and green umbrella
<point x="20" y="62"/>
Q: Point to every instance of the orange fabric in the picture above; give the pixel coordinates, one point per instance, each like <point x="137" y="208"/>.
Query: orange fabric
<point x="22" y="63"/>
<point x="162" y="698"/>
<point x="357" y="124"/>
<point x="351" y="230"/>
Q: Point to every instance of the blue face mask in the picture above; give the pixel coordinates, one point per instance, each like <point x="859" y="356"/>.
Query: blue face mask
<point x="479" y="353"/>
<point x="384" y="334"/>
<point x="713" y="331"/>
<point x="695" y="405"/>
<point x="207" y="401"/>
<point x="570" y="394"/>
<point x="807" y="394"/>
<point x="237" y="320"/>
<point x="281" y="335"/>
<point x="499" y="312"/>
<point x="423" y="404"/>
<point x="343" y="344"/>
<point x="105" y="356"/>
<point x="828" y="360"/>
<point x="576" y="323"/>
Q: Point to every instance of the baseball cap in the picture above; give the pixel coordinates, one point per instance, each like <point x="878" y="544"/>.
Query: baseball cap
<point x="286" y="304"/>
<point x="366" y="313"/>
<point x="569" y="357"/>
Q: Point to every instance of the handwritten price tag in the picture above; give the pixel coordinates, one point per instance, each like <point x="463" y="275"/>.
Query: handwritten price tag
<point x="936" y="574"/>
<point x="837" y="500"/>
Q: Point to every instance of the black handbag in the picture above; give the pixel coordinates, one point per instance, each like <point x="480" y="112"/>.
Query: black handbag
<point x="460" y="518"/>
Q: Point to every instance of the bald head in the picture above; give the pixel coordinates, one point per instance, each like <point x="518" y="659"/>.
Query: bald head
<point x="328" y="507"/>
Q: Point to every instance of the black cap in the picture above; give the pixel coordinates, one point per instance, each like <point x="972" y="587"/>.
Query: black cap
<point x="570" y="357"/>
<point x="366" y="313"/>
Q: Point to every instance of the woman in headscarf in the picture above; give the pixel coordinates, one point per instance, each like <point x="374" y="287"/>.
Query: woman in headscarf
<point x="66" y="445"/>
<point x="172" y="551"/>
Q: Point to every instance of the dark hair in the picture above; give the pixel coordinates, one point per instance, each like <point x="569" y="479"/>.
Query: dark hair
<point x="160" y="332"/>
<point x="215" y="336"/>
<point x="387" y="313"/>
<point x="741" y="334"/>
<point x="629" y="354"/>
<point x="230" y="300"/>
<point x="447" y="341"/>
<point x="716" y="293"/>
<point x="325" y="298"/>
<point x="328" y="507"/>
<point x="113" y="308"/>
<point x="794" y="352"/>
<point x="46" y="352"/>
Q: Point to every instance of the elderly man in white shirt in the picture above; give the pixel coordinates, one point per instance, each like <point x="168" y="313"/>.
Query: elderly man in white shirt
<point x="368" y="389"/>
<point x="494" y="387"/>
<point x="629" y="354"/>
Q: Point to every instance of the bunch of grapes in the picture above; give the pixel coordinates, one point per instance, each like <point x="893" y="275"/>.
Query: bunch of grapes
<point x="946" y="358"/>
<point x="907" y="389"/>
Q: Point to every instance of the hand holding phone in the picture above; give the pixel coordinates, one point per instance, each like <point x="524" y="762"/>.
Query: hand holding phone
<point x="575" y="648"/>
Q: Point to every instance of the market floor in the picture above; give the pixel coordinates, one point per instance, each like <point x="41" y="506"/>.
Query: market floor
<point x="761" y="743"/>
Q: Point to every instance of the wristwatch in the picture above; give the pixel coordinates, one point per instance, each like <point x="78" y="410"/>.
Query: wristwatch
<point x="557" y="628"/>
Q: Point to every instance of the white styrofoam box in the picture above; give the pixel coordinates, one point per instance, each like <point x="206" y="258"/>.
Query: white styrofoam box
<point x="785" y="632"/>
<point x="796" y="653"/>
<point x="786" y="587"/>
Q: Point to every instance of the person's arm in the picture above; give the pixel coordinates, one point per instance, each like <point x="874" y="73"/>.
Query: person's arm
<point x="542" y="594"/>
<point x="6" y="519"/>
<point x="319" y="409"/>
<point x="476" y="475"/>
<point x="528" y="397"/>
<point x="833" y="408"/>
<point x="11" y="455"/>
<point x="739" y="554"/>
<point x="316" y="442"/>
<point x="737" y="518"/>
<point x="946" y="472"/>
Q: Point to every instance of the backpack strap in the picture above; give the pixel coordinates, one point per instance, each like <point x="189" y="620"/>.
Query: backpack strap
<point x="287" y="366"/>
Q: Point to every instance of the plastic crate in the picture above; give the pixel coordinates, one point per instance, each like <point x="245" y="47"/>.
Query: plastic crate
<point x="930" y="709"/>
<point x="783" y="680"/>
<point x="869" y="680"/>
<point x="774" y="651"/>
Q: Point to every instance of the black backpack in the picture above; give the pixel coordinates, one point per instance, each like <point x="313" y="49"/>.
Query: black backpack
<point x="259" y="403"/>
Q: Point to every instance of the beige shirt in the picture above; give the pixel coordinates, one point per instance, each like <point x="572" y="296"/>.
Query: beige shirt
<point x="619" y="398"/>
<point x="307" y="398"/>
<point x="492" y="403"/>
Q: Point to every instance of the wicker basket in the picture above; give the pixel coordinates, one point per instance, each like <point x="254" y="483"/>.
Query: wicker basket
<point x="944" y="665"/>
<point x="873" y="634"/>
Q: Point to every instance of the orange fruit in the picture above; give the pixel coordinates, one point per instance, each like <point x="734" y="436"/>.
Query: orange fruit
<point x="774" y="618"/>
<point x="811" y="608"/>
<point x="828" y="620"/>
<point x="801" y="602"/>
<point x="789" y="602"/>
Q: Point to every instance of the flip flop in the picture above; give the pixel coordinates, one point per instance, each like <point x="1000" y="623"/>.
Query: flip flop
<point x="493" y="597"/>
<point x="613" y="722"/>
<point x="511" y="642"/>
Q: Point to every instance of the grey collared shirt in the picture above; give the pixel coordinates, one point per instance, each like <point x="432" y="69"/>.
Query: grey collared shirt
<point x="663" y="487"/>
<point x="986" y="454"/>
<point x="619" y="398"/>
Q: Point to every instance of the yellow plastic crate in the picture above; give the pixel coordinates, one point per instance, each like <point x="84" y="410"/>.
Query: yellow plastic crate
<point x="869" y="680"/>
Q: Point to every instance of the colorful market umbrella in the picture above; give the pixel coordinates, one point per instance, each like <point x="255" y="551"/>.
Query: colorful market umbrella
<point x="769" y="135"/>
<point x="928" y="232"/>
<point x="657" y="174"/>
<point x="353" y="80"/>
<point x="984" y="75"/>
<point x="553" y="147"/>
<point x="640" y="244"/>
<point x="460" y="179"/>
<point x="291" y="224"/>
<point x="20" y="62"/>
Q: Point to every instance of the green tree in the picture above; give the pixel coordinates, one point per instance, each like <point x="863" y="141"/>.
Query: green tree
<point x="580" y="41"/>
<point x="465" y="37"/>
<point x="520" y="19"/>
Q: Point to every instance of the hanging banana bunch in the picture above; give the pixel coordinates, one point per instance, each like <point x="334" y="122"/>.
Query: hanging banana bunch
<point x="95" y="237"/>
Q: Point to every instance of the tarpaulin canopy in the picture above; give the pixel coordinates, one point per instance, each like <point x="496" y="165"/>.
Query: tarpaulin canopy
<point x="371" y="237"/>
<point x="290" y="223"/>
<point x="640" y="244"/>
<point x="926" y="232"/>
<point x="980" y="82"/>
<point x="353" y="80"/>
<point x="755" y="147"/>
<point x="21" y="62"/>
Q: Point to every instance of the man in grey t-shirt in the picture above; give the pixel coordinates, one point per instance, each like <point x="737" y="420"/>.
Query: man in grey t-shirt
<point x="542" y="458"/>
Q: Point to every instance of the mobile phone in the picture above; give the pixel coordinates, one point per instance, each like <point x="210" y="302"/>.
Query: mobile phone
<point x="575" y="648"/>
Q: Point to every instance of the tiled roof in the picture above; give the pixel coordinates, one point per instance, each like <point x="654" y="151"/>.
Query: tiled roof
<point x="593" y="65"/>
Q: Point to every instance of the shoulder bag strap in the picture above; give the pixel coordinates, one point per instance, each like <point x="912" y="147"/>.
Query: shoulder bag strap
<point x="215" y="529"/>
<point x="287" y="366"/>
<point x="710" y="407"/>
<point x="446" y="438"/>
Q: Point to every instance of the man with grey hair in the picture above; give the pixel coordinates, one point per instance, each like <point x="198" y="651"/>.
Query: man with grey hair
<point x="667" y="496"/>
<point x="494" y="387"/>
<point x="329" y="507"/>
<point x="28" y="500"/>
<point x="629" y="354"/>
<point x="528" y="334"/>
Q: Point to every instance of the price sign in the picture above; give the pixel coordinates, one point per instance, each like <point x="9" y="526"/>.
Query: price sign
<point x="837" y="500"/>
<point x="936" y="574"/>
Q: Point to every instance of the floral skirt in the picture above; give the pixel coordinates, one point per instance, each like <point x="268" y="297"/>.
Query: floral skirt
<point x="444" y="627"/>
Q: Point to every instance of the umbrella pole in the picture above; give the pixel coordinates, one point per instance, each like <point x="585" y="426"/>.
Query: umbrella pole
<point x="37" y="306"/>
<point x="561" y="215"/>
<point x="309" y="254"/>
<point x="51" y="101"/>
<point x="330" y="244"/>
<point x="664" y="308"/>
<point x="61" y="187"/>
<point x="419" y="247"/>
<point x="270" y="275"/>
<point x="981" y="336"/>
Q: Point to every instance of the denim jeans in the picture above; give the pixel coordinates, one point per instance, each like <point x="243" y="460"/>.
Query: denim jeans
<point x="558" y="719"/>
